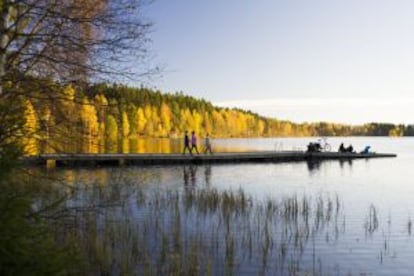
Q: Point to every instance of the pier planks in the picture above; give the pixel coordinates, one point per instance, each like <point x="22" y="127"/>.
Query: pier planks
<point x="166" y="159"/>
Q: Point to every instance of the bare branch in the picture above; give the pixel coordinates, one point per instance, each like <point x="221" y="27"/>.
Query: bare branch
<point x="72" y="40"/>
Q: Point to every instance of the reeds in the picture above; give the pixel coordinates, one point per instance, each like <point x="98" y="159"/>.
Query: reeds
<point x="128" y="229"/>
<point x="206" y="232"/>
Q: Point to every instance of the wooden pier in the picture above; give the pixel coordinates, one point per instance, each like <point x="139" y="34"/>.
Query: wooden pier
<point x="53" y="160"/>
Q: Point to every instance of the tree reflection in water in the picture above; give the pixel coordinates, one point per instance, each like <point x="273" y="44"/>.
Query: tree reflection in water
<point x="191" y="229"/>
<point x="205" y="231"/>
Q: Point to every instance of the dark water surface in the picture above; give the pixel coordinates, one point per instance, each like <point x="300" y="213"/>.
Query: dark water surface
<point x="327" y="218"/>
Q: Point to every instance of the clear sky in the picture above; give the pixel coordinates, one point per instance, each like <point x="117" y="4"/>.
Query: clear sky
<point x="348" y="61"/>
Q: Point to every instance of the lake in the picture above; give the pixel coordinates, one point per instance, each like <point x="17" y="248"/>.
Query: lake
<point x="321" y="218"/>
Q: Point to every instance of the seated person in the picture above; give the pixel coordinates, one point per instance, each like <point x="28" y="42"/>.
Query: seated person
<point x="349" y="149"/>
<point x="341" y="148"/>
<point x="366" y="150"/>
<point x="318" y="147"/>
<point x="310" y="147"/>
<point x="314" y="147"/>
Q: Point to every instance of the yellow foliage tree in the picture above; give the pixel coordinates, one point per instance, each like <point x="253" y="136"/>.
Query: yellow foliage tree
<point x="30" y="129"/>
<point x="101" y="104"/>
<point x="125" y="125"/>
<point x="219" y="124"/>
<point x="260" y="127"/>
<point x="90" y="124"/>
<point x="207" y="123"/>
<point x="48" y="123"/>
<point x="396" y="132"/>
<point x="196" y="122"/>
<point x="286" y="129"/>
<point x="186" y="120"/>
<point x="111" y="133"/>
<point x="165" y="116"/>
<point x="142" y="121"/>
<point x="67" y="97"/>
<point x="155" y="122"/>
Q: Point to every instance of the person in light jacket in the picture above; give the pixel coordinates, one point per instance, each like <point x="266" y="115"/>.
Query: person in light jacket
<point x="207" y="145"/>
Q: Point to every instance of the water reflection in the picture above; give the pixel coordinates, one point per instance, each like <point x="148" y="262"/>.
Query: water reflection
<point x="348" y="163"/>
<point x="313" y="165"/>
<point x="151" y="145"/>
<point x="207" y="174"/>
<point x="133" y="145"/>
<point x="143" y="228"/>
<point x="143" y="145"/>
<point x="147" y="223"/>
<point x="211" y="232"/>
<point x="190" y="175"/>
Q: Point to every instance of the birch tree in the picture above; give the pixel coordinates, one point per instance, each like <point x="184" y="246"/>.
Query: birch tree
<point x="69" y="40"/>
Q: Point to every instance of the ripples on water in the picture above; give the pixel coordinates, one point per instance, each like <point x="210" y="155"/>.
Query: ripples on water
<point x="325" y="218"/>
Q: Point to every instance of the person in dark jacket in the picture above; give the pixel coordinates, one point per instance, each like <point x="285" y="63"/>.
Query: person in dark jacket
<point x="187" y="143"/>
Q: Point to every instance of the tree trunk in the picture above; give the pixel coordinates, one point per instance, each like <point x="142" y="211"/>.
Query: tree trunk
<point x="4" y="39"/>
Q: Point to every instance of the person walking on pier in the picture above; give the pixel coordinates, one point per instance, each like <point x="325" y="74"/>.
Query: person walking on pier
<point x="207" y="145"/>
<point x="194" y="142"/>
<point x="186" y="142"/>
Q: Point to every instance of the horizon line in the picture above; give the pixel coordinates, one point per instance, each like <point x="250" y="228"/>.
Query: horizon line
<point x="349" y="111"/>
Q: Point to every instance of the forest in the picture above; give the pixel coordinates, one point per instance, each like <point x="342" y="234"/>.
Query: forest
<point x="100" y="117"/>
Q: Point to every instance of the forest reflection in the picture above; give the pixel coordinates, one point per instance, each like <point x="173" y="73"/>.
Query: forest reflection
<point x="209" y="232"/>
<point x="198" y="229"/>
<point x="144" y="145"/>
<point x="175" y="221"/>
<point x="139" y="145"/>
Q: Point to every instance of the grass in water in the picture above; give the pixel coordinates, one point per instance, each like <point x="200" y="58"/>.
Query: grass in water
<point x="206" y="232"/>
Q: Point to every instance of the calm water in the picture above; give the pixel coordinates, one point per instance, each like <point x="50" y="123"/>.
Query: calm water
<point x="360" y="222"/>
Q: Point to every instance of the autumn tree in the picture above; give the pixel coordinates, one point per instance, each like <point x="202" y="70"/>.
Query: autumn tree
<point x="30" y="128"/>
<point x="111" y="133"/>
<point x="219" y="125"/>
<point x="207" y="123"/>
<point x="70" y="40"/>
<point x="166" y="117"/>
<point x="125" y="125"/>
<point x="141" y="120"/>
<point x="47" y="122"/>
<point x="44" y="44"/>
<point x="396" y="131"/>
<point x="101" y="105"/>
<point x="89" y="121"/>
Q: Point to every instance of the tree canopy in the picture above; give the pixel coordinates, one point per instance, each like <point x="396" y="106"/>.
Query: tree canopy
<point x="69" y="40"/>
<point x="102" y="116"/>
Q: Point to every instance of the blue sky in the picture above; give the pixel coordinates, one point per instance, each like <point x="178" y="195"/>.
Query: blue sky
<point x="346" y="61"/>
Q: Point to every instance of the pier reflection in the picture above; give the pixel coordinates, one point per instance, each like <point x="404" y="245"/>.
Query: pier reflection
<point x="313" y="165"/>
<point x="204" y="228"/>
<point x="207" y="175"/>
<point x="190" y="175"/>
<point x="345" y="163"/>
